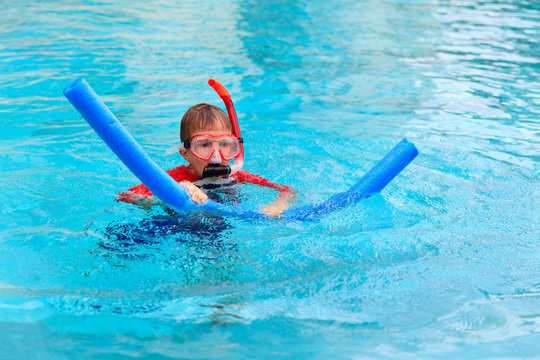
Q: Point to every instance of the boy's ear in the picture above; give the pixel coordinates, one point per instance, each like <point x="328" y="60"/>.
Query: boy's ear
<point x="184" y="154"/>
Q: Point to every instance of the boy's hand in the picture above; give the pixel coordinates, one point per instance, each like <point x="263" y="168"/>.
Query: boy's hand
<point x="272" y="210"/>
<point x="197" y="195"/>
<point x="279" y="205"/>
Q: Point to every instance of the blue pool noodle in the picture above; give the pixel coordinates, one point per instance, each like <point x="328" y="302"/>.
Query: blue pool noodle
<point x="107" y="126"/>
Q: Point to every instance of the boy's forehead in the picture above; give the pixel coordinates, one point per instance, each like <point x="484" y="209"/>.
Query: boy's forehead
<point x="214" y="132"/>
<point x="216" y="126"/>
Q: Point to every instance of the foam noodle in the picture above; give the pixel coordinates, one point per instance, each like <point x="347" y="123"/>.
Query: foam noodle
<point x="107" y="126"/>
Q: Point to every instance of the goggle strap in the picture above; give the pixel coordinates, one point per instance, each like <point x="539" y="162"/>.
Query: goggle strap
<point x="173" y="149"/>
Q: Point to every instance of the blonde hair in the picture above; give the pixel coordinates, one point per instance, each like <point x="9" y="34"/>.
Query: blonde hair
<point x="202" y="117"/>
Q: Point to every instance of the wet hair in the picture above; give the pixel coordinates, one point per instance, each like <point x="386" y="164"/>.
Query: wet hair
<point x="203" y="117"/>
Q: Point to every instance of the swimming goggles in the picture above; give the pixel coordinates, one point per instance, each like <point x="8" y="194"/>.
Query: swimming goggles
<point x="204" y="146"/>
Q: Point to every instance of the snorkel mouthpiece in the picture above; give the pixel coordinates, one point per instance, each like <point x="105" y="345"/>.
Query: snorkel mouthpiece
<point x="213" y="170"/>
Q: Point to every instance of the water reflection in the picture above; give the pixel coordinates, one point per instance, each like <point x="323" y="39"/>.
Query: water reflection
<point x="484" y="69"/>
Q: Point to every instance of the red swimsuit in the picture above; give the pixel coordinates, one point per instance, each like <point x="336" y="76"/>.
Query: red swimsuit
<point x="183" y="173"/>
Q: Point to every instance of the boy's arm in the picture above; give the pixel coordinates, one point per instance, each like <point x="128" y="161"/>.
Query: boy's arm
<point x="281" y="203"/>
<point x="144" y="200"/>
<point x="141" y="196"/>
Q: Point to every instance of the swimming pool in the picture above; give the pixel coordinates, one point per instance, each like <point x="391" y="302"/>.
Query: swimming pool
<point x="443" y="263"/>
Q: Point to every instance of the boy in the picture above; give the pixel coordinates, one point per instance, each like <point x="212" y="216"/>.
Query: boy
<point x="209" y="144"/>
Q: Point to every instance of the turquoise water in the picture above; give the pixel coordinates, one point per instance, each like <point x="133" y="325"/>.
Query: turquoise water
<point x="442" y="264"/>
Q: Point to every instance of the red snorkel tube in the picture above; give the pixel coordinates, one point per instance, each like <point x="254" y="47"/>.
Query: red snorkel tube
<point x="220" y="170"/>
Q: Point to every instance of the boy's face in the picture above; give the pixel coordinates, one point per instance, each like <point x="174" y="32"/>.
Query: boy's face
<point x="196" y="164"/>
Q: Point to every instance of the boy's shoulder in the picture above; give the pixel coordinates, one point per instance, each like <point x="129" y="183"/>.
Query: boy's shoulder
<point x="182" y="173"/>
<point x="246" y="177"/>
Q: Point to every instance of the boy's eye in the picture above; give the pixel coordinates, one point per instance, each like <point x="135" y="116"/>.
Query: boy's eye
<point x="224" y="144"/>
<point x="205" y="144"/>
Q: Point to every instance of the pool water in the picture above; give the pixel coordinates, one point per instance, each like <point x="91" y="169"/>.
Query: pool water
<point x="442" y="264"/>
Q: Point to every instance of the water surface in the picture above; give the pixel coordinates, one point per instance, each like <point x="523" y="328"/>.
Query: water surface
<point x="443" y="263"/>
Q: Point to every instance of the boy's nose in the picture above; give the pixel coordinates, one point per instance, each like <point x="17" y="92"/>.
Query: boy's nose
<point x="216" y="157"/>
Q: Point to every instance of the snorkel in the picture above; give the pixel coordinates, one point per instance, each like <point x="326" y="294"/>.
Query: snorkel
<point x="219" y="170"/>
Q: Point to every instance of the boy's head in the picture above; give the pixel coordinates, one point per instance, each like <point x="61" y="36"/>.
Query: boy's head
<point x="202" y="119"/>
